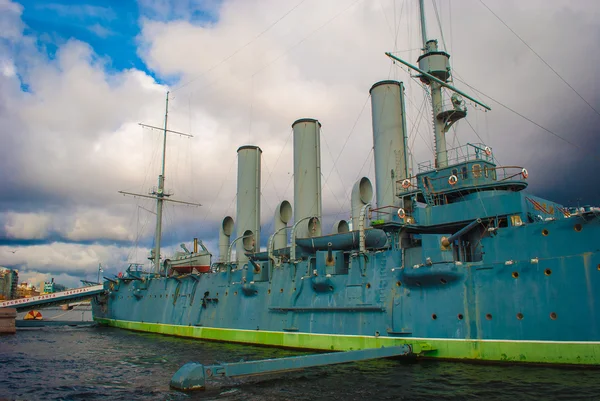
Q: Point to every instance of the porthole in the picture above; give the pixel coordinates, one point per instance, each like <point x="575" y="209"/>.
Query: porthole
<point x="545" y="232"/>
<point x="368" y="285"/>
<point x="553" y="316"/>
<point x="460" y="316"/>
<point x="235" y="293"/>
<point x="515" y="274"/>
<point x="577" y="227"/>
<point x="520" y="316"/>
<point x="443" y="281"/>
<point x="488" y="316"/>
<point x="398" y="284"/>
<point x="281" y="290"/>
<point x="547" y="272"/>
<point x="434" y="316"/>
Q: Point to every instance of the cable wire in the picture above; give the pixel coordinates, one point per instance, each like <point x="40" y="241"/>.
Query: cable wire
<point x="541" y="59"/>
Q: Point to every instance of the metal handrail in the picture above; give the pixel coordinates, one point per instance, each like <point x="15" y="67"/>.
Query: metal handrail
<point x="504" y="176"/>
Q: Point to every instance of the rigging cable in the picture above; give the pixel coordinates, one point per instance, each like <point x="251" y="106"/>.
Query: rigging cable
<point x="528" y="119"/>
<point x="542" y="60"/>
<point x="241" y="48"/>
<point x="437" y="15"/>
<point x="275" y="166"/>
<point x="347" y="139"/>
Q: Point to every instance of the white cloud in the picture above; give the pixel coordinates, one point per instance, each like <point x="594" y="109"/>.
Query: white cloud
<point x="11" y="25"/>
<point x="27" y="225"/>
<point x="101" y="31"/>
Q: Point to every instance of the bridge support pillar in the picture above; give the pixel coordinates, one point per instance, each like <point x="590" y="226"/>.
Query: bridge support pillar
<point x="8" y="316"/>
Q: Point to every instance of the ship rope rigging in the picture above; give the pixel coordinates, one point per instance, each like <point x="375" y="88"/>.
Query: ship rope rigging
<point x="159" y="194"/>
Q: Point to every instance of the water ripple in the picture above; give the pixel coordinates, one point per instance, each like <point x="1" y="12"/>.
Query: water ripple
<point x="95" y="363"/>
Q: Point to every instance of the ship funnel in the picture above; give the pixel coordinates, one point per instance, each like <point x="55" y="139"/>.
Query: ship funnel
<point x="339" y="227"/>
<point x="248" y="201"/>
<point x="283" y="214"/>
<point x="307" y="177"/>
<point x="224" y="233"/>
<point x="362" y="193"/>
<point x="389" y="142"/>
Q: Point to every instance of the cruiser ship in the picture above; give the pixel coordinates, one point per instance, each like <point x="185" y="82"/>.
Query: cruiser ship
<point x="458" y="261"/>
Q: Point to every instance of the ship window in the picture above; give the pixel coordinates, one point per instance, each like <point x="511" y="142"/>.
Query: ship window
<point x="486" y="171"/>
<point x="476" y="170"/>
<point x="455" y="172"/>
<point x="464" y="172"/>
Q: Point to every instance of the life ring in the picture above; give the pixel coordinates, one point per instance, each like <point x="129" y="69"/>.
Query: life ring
<point x="524" y="173"/>
<point x="406" y="183"/>
<point x="452" y="180"/>
<point x="401" y="213"/>
<point x="487" y="150"/>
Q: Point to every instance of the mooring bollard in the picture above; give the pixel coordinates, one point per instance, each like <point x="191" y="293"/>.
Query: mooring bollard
<point x="7" y="320"/>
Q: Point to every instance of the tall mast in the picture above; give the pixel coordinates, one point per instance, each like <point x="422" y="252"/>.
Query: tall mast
<point x="435" y="63"/>
<point x="423" y="25"/>
<point x="434" y="70"/>
<point x="160" y="194"/>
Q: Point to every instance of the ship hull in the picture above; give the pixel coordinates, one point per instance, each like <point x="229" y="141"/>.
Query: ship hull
<point x="527" y="309"/>
<point x="585" y="353"/>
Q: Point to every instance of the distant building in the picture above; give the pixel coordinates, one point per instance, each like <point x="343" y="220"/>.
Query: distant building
<point x="48" y="287"/>
<point x="9" y="280"/>
<point x="25" y="290"/>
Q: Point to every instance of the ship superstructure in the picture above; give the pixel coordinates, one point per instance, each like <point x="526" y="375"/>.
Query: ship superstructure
<point x="457" y="261"/>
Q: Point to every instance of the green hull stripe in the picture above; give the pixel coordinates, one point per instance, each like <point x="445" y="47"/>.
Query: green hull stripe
<point x="579" y="353"/>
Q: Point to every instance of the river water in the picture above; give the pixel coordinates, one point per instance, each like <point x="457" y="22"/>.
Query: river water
<point x="91" y="362"/>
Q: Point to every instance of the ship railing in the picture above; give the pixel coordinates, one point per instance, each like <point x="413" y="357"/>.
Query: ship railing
<point x="431" y="184"/>
<point x="461" y="154"/>
<point x="389" y="213"/>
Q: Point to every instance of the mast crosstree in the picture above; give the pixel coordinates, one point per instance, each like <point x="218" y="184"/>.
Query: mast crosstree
<point x="159" y="194"/>
<point x="434" y="69"/>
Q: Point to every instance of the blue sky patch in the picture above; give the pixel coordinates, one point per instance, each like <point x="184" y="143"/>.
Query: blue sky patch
<point x="110" y="28"/>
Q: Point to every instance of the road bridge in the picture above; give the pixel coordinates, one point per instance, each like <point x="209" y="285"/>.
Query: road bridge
<point x="55" y="298"/>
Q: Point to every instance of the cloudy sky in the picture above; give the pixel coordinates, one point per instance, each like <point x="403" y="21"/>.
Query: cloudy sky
<point x="75" y="81"/>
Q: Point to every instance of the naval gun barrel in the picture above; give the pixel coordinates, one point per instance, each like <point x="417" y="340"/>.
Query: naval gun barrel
<point x="447" y="241"/>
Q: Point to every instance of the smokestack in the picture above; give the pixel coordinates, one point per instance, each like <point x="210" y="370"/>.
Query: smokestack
<point x="225" y="232"/>
<point x="283" y="214"/>
<point x="307" y="176"/>
<point x="389" y="141"/>
<point x="248" y="201"/>
<point x="362" y="193"/>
